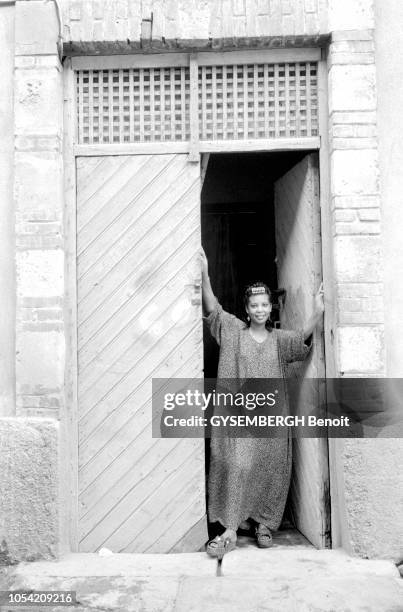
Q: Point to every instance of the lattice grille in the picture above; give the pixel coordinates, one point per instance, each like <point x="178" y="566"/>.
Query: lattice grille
<point x="133" y="105"/>
<point x="246" y="101"/>
<point x="258" y="101"/>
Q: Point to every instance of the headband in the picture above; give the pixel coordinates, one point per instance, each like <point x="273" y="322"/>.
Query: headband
<point x="258" y="290"/>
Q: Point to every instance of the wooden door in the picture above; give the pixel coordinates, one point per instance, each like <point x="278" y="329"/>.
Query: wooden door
<point x="139" y="317"/>
<point x="298" y="241"/>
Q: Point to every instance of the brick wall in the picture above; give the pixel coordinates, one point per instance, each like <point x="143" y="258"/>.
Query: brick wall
<point x="204" y="21"/>
<point x="356" y="202"/>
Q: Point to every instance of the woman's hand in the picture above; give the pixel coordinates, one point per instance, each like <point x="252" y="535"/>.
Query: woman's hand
<point x="209" y="299"/>
<point x="204" y="262"/>
<point x="319" y="307"/>
<point x="319" y="300"/>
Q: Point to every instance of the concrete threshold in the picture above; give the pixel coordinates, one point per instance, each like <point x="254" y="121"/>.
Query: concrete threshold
<point x="296" y="579"/>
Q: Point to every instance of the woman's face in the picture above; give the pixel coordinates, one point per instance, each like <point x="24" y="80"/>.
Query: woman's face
<point x="259" y="308"/>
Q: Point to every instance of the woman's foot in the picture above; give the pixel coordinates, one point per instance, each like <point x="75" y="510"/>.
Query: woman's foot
<point x="229" y="534"/>
<point x="222" y="544"/>
<point x="264" y="539"/>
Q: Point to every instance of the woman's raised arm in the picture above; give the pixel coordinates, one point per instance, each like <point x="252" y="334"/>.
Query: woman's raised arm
<point x="209" y="299"/>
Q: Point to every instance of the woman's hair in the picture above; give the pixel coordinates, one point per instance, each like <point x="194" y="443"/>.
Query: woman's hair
<point x="257" y="288"/>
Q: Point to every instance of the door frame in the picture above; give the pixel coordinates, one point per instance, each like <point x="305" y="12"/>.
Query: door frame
<point x="68" y="467"/>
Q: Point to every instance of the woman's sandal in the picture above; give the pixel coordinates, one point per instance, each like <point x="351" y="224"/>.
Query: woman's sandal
<point x="219" y="547"/>
<point x="264" y="537"/>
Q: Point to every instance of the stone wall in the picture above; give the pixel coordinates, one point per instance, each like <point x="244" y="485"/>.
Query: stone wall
<point x="38" y="193"/>
<point x="29" y="482"/>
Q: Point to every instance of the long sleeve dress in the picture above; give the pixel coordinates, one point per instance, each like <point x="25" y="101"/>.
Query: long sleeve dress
<point x="250" y="477"/>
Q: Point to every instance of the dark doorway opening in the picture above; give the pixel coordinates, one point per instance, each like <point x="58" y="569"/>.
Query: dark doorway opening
<point x="250" y="203"/>
<point x="238" y="228"/>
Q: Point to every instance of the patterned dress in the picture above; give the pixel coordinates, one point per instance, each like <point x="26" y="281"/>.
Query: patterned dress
<point x="250" y="477"/>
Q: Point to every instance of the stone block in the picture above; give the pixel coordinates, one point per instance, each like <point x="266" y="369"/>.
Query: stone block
<point x="357" y="144"/>
<point x="352" y="52"/>
<point x="44" y="228"/>
<point x="42" y="327"/>
<point x="42" y="302"/>
<point x="351" y="130"/>
<point x="52" y="142"/>
<point x="345" y="215"/>
<point x="25" y="61"/>
<point x="354" y="172"/>
<point x="39" y="101"/>
<point x="29" y="517"/>
<point x="356" y="201"/>
<point x="369" y="214"/>
<point x="360" y="349"/>
<point x="97" y="9"/>
<point x="357" y="228"/>
<point x="347" y="15"/>
<point x="40" y="273"/>
<point x="40" y="360"/>
<point x="361" y="318"/>
<point x="75" y="10"/>
<point x="360" y="310"/>
<point x="374" y="496"/>
<point x="98" y="31"/>
<point x="36" y="28"/>
<point x="29" y="242"/>
<point x="352" y="35"/>
<point x="353" y="46"/>
<point x="353" y="118"/>
<point x="359" y="290"/>
<point x="357" y="259"/>
<point x="350" y="304"/>
<point x="352" y="88"/>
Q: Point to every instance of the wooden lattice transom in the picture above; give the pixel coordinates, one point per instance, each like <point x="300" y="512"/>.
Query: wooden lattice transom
<point x="240" y="101"/>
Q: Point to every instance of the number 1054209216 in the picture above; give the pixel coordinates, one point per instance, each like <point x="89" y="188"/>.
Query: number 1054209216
<point x="45" y="598"/>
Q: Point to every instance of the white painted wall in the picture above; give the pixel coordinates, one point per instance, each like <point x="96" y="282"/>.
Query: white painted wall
<point x="389" y="53"/>
<point x="7" y="242"/>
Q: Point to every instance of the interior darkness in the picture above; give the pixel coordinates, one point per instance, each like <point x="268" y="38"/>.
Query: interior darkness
<point x="238" y="228"/>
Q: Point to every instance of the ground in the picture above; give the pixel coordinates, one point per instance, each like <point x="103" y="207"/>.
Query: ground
<point x="291" y="577"/>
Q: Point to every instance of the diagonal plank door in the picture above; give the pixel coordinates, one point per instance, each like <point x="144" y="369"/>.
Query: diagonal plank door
<point x="298" y="243"/>
<point x="139" y="317"/>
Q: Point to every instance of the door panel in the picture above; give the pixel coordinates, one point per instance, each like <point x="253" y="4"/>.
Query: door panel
<point x="139" y="317"/>
<point x="298" y="241"/>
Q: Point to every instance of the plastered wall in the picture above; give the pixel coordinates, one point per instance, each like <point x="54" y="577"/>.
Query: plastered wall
<point x="7" y="272"/>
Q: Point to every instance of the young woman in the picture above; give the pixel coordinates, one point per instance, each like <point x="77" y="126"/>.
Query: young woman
<point x="249" y="477"/>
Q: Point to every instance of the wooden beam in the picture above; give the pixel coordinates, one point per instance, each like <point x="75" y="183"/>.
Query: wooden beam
<point x="262" y="56"/>
<point x="194" y="155"/>
<point x="204" y="146"/>
<point x="114" y="62"/>
<point x="263" y="144"/>
<point x="138" y="148"/>
<point x="209" y="58"/>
